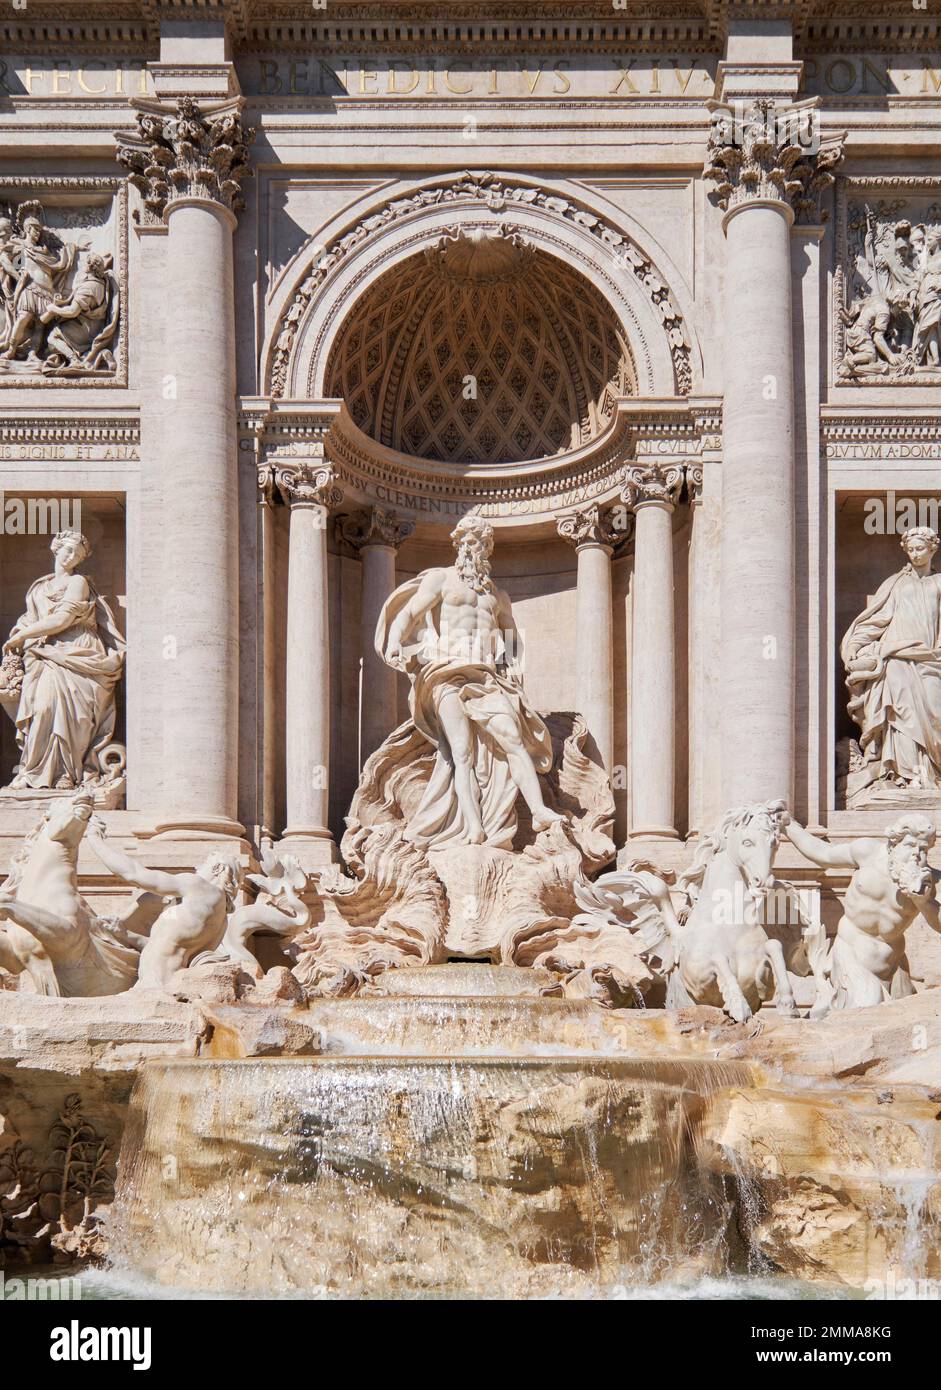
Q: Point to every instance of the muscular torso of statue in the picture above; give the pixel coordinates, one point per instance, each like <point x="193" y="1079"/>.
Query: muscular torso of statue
<point x="465" y="614"/>
<point x="876" y="915"/>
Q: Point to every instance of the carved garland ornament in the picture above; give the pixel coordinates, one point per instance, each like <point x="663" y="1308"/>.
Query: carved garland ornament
<point x="496" y="193"/>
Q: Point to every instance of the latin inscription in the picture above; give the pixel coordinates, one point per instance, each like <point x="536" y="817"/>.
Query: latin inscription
<point x="554" y="77"/>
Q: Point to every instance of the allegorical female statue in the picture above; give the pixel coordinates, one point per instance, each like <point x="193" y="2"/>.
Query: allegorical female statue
<point x="73" y="657"/>
<point x="892" y="655"/>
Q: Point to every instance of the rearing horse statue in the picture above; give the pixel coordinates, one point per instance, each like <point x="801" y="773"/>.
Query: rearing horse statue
<point x="714" y="949"/>
<point x="50" y="931"/>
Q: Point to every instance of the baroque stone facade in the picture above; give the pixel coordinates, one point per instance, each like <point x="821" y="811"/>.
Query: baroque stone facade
<point x="274" y="369"/>
<point x="477" y="465"/>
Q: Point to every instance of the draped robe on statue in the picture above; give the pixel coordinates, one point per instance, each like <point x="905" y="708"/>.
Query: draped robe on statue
<point x="66" y="710"/>
<point x="485" y="692"/>
<point x="898" y="704"/>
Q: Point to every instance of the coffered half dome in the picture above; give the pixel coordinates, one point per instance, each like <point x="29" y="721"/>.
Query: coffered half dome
<point x="481" y="349"/>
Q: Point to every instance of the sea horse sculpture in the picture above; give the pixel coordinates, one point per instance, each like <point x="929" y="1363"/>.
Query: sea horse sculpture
<point x="715" y="950"/>
<point x="49" y="931"/>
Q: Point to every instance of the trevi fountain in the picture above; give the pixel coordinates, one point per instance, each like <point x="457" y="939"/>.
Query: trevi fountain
<point x="471" y="647"/>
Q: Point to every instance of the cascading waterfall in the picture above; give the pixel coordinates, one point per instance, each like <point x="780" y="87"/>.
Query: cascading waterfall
<point x="440" y="1145"/>
<point x="506" y="1145"/>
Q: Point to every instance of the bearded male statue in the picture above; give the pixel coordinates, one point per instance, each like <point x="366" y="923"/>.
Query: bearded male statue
<point x="452" y="631"/>
<point x="892" y="882"/>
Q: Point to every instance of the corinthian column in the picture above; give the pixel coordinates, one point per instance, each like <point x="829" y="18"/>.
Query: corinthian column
<point x="767" y="168"/>
<point x="651" y="491"/>
<point x="593" y="536"/>
<point x="188" y="166"/>
<point x="376" y="534"/>
<point x="308" y="489"/>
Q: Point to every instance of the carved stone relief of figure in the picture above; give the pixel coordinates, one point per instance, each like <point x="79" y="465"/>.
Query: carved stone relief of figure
<point x="891" y="324"/>
<point x="61" y="664"/>
<point x="60" y="300"/>
<point x="892" y="656"/>
<point x="926" y="341"/>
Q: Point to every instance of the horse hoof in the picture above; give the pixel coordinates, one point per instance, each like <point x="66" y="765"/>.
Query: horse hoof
<point x="740" y="1011"/>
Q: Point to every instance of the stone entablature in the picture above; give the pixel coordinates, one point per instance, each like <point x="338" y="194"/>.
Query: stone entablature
<point x="526" y="493"/>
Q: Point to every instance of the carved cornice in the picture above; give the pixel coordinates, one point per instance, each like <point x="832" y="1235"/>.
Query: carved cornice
<point x="496" y="194"/>
<point x="879" y="426"/>
<point x="189" y="154"/>
<point x="517" y="25"/>
<point x="68" y="431"/>
<point x="373" y="526"/>
<point x="307" y="485"/>
<point x="644" y="483"/>
<point x="870" y="437"/>
<point x="518" y="490"/>
<point x="591" y="525"/>
<point x="659" y="434"/>
<point x="768" y="151"/>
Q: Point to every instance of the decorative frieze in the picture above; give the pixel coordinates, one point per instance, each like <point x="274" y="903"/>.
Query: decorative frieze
<point x="190" y="154"/>
<point x="52" y="439"/>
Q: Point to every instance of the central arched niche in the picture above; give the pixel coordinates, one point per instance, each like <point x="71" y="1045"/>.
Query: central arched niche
<point x="481" y="349"/>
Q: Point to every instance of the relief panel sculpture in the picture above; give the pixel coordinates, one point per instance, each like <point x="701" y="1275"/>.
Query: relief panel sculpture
<point x="889" y="289"/>
<point x="61" y="268"/>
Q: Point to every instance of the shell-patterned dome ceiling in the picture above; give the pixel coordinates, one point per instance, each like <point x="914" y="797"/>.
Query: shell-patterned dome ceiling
<point x="482" y="349"/>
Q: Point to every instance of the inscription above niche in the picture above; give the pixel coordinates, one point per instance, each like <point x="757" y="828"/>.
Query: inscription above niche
<point x="63" y="281"/>
<point x="887" y="300"/>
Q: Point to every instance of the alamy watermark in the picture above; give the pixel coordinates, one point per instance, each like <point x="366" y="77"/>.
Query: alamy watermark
<point x="897" y="1287"/>
<point x="779" y="906"/>
<point x="893" y="516"/>
<point x="39" y="1289"/>
<point x="742" y="121"/>
<point x="39" y="516"/>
